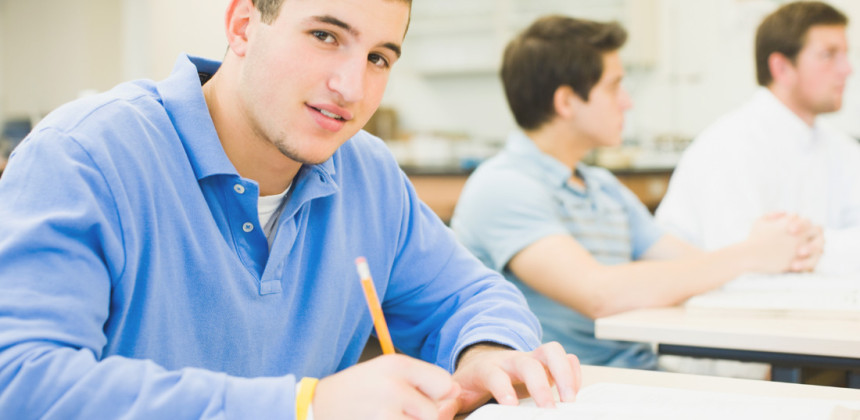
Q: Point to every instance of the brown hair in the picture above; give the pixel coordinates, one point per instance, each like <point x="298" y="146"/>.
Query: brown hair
<point x="784" y="31"/>
<point x="269" y="8"/>
<point x="555" y="51"/>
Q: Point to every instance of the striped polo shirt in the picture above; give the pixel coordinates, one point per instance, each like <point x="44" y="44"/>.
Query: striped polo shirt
<point x="523" y="195"/>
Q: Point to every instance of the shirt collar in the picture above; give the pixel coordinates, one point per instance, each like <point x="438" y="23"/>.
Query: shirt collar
<point x="184" y="103"/>
<point x="536" y="161"/>
<point x="784" y="123"/>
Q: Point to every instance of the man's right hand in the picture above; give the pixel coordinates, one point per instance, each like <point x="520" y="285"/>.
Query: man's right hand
<point x="784" y="242"/>
<point x="810" y="250"/>
<point x="386" y="387"/>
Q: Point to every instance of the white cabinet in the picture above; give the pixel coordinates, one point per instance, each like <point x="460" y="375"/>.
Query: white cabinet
<point x="467" y="37"/>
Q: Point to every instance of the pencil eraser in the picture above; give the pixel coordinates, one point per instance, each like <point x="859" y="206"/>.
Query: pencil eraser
<point x="363" y="269"/>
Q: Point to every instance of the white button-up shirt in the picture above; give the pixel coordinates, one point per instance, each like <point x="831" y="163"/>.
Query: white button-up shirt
<point x="763" y="158"/>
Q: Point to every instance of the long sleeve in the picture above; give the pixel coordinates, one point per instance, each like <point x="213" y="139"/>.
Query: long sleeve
<point x="440" y="298"/>
<point x="61" y="247"/>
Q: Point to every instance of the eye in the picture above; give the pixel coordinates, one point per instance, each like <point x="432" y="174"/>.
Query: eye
<point x="324" y="37"/>
<point x="829" y="54"/>
<point x="379" y="60"/>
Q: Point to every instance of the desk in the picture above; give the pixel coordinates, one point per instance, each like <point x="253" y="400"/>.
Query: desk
<point x="788" y="343"/>
<point x="439" y="191"/>
<point x="592" y="375"/>
<point x="598" y="374"/>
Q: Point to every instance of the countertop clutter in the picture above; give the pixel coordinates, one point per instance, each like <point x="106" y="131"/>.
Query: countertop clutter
<point x="438" y="163"/>
<point x="438" y="168"/>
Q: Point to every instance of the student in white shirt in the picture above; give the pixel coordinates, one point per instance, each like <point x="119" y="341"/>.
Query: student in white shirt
<point x="774" y="154"/>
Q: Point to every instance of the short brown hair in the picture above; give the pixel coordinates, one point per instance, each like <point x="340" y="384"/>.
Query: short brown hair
<point x="784" y="31"/>
<point x="269" y="8"/>
<point x="555" y="51"/>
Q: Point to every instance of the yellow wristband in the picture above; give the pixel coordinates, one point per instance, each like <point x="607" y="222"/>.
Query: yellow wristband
<point x="305" y="396"/>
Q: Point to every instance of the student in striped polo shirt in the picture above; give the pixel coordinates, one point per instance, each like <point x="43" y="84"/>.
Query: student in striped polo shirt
<point x="576" y="241"/>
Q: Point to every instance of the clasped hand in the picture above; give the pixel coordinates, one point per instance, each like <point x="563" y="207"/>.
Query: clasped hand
<point x="788" y="242"/>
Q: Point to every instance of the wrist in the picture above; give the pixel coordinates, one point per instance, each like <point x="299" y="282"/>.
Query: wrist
<point x="478" y="348"/>
<point x="743" y="257"/>
<point x="304" y="397"/>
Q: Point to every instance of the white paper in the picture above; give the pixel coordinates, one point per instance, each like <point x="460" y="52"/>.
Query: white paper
<point x="814" y="293"/>
<point x="622" y="401"/>
<point x="793" y="281"/>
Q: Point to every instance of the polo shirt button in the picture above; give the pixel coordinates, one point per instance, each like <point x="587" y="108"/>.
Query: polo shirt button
<point x="239" y="189"/>
<point x="248" y="226"/>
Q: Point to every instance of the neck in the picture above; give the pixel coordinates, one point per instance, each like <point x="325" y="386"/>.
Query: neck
<point x="557" y="141"/>
<point x="787" y="97"/>
<point x="253" y="156"/>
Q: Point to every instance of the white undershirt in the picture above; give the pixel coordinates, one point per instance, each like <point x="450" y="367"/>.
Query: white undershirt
<point x="267" y="207"/>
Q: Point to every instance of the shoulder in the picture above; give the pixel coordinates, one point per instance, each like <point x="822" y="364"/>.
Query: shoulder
<point x="503" y="170"/>
<point x="732" y="137"/>
<point x="366" y="153"/>
<point x="107" y="109"/>
<point x="601" y="175"/>
<point x="501" y="180"/>
<point x="364" y="163"/>
<point x="608" y="183"/>
<point x="842" y="142"/>
<point x="104" y="121"/>
<point x="729" y="130"/>
<point x="364" y="144"/>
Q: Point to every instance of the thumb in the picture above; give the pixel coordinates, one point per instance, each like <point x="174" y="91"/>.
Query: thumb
<point x="448" y="408"/>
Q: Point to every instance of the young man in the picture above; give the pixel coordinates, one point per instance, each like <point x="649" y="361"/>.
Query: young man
<point x="571" y="237"/>
<point x="774" y="154"/>
<point x="172" y="250"/>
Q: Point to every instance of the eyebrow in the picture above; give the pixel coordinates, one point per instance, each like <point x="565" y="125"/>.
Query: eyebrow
<point x="331" y="20"/>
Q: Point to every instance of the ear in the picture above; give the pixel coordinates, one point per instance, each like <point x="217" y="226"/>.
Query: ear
<point x="781" y="68"/>
<point x="566" y="102"/>
<point x="238" y="18"/>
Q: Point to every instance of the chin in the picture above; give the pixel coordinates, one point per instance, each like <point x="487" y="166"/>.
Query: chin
<point x="828" y="108"/>
<point x="307" y="157"/>
<point x="314" y="158"/>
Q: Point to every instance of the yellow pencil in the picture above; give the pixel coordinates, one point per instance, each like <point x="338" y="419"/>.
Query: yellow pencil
<point x="374" y="306"/>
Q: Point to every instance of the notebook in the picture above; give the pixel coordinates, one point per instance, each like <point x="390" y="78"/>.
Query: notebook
<point x="639" y="402"/>
<point x="810" y="293"/>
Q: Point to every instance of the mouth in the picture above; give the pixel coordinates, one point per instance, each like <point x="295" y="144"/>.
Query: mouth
<point x="329" y="114"/>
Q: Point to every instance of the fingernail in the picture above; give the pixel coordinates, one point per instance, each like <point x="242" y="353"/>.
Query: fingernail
<point x="567" y="394"/>
<point x="509" y="400"/>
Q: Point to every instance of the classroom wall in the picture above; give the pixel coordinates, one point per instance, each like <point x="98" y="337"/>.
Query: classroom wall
<point x="698" y="65"/>
<point x="157" y="31"/>
<point x="690" y="61"/>
<point x="2" y="42"/>
<point x="53" y="49"/>
<point x="56" y="50"/>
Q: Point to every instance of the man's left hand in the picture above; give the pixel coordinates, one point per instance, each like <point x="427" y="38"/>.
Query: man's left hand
<point x="486" y="371"/>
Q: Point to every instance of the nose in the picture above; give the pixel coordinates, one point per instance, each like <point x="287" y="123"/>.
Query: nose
<point x="844" y="65"/>
<point x="625" y="100"/>
<point x="347" y="79"/>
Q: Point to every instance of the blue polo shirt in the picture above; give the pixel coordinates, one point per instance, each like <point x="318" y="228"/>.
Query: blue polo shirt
<point x="136" y="282"/>
<point x="523" y="195"/>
